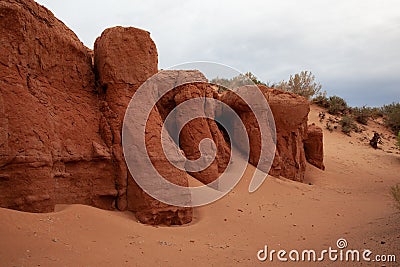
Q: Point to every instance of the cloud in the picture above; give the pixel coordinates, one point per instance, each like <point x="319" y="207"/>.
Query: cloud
<point x="351" y="46"/>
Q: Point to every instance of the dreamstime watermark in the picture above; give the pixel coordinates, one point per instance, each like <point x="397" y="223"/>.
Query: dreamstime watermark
<point x="144" y="102"/>
<point x="339" y="253"/>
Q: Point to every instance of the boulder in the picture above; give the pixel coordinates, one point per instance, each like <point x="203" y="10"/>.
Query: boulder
<point x="50" y="149"/>
<point x="314" y="146"/>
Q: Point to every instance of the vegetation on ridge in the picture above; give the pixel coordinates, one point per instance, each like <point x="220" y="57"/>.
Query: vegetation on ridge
<point x="304" y="84"/>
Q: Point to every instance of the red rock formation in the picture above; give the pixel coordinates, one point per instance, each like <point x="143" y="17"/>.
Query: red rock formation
<point x="291" y="114"/>
<point x="198" y="129"/>
<point x="124" y="59"/>
<point x="55" y="144"/>
<point x="147" y="209"/>
<point x="252" y="126"/>
<point x="61" y="119"/>
<point x="50" y="149"/>
<point x="314" y="146"/>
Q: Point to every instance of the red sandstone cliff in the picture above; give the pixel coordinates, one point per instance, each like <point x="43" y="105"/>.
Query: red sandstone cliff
<point x="61" y="119"/>
<point x="51" y="151"/>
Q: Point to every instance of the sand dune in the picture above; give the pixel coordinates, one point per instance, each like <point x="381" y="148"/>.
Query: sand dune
<point x="350" y="200"/>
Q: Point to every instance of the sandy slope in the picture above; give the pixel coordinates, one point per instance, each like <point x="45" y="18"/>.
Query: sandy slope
<point x="350" y="200"/>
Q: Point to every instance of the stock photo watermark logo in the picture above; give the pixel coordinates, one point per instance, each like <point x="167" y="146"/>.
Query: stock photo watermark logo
<point x="144" y="102"/>
<point x="340" y="253"/>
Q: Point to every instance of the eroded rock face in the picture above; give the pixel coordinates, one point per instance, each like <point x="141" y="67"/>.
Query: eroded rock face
<point x="314" y="146"/>
<point x="61" y="119"/>
<point x="50" y="149"/>
<point x="290" y="112"/>
<point x="60" y="136"/>
<point x="194" y="131"/>
<point x="291" y="116"/>
<point x="124" y="59"/>
<point x="147" y="209"/>
<point x="248" y="118"/>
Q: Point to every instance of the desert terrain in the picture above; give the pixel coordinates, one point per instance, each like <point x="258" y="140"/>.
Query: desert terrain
<point x="350" y="199"/>
<point x="76" y="124"/>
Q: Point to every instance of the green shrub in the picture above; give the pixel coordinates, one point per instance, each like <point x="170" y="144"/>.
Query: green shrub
<point x="302" y="83"/>
<point x="334" y="104"/>
<point x="361" y="115"/>
<point x="254" y="79"/>
<point x="238" y="81"/>
<point x="347" y="124"/>
<point x="376" y="112"/>
<point x="395" y="190"/>
<point x="392" y="116"/>
<point x="337" y="105"/>
<point x="321" y="100"/>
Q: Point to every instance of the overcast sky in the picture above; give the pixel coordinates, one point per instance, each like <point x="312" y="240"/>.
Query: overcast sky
<point x="351" y="46"/>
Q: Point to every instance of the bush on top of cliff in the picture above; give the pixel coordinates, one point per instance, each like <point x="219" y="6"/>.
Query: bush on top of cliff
<point x="303" y="84"/>
<point x="241" y="80"/>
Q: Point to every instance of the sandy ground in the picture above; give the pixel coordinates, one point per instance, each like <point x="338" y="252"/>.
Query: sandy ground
<point x="350" y="200"/>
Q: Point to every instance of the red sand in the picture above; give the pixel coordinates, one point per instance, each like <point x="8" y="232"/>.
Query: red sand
<point x="350" y="200"/>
